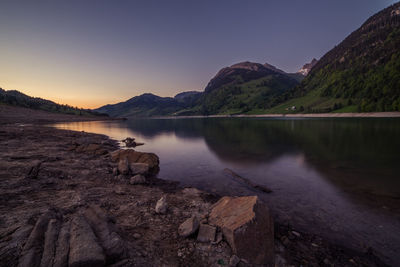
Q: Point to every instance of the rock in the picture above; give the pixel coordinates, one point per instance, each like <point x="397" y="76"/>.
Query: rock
<point x="296" y="233"/>
<point x="233" y="261"/>
<point x="31" y="254"/>
<point x="137" y="235"/>
<point x="10" y="250"/>
<point x="62" y="247"/>
<point x="123" y="166"/>
<point x="218" y="239"/>
<point x="137" y="179"/>
<point x="34" y="170"/>
<point x="50" y="241"/>
<point x="84" y="249"/>
<point x="109" y="239"/>
<point x="189" y="227"/>
<point x="161" y="206"/>
<point x="115" y="171"/>
<point x="247" y="226"/>
<point x="138" y="168"/>
<point x="206" y="233"/>
<point x="133" y="156"/>
<point x="129" y="142"/>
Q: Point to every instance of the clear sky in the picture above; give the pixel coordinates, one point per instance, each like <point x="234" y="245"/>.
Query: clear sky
<point x="92" y="52"/>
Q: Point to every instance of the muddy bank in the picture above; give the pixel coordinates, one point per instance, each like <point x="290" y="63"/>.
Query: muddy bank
<point x="61" y="185"/>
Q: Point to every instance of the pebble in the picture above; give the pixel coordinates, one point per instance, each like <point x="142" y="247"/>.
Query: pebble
<point x="296" y="233"/>
<point x="234" y="260"/>
<point x="161" y="206"/>
<point x="137" y="235"/>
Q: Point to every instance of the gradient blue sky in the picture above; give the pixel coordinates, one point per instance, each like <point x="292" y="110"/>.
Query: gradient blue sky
<point x="88" y="53"/>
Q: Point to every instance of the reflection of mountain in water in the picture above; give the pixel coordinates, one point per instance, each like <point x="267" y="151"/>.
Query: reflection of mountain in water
<point x="183" y="128"/>
<point x="355" y="141"/>
<point x="344" y="150"/>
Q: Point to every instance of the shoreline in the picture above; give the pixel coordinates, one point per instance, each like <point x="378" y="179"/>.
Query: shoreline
<point x="278" y="116"/>
<point x="67" y="185"/>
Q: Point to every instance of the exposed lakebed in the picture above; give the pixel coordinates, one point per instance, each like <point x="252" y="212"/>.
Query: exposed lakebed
<point x="338" y="178"/>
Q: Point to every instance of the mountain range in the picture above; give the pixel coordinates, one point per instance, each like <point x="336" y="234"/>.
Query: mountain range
<point x="360" y="74"/>
<point x="241" y="88"/>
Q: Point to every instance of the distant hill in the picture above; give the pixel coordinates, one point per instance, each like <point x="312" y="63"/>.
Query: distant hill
<point x="16" y="98"/>
<point x="143" y="106"/>
<point x="240" y="88"/>
<point x="361" y="74"/>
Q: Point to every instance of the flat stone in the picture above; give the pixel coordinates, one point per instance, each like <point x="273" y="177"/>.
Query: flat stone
<point x="206" y="233"/>
<point x="32" y="251"/>
<point x="247" y="226"/>
<point x="62" y="247"/>
<point x="112" y="243"/>
<point x="84" y="249"/>
<point x="138" y="179"/>
<point x="138" y="168"/>
<point x="161" y="206"/>
<point x="189" y="227"/>
<point x="50" y="242"/>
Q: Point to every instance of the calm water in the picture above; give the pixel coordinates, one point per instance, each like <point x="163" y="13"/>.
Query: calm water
<point x="339" y="178"/>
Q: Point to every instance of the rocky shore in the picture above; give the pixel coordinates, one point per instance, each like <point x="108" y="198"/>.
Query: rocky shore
<point x="75" y="199"/>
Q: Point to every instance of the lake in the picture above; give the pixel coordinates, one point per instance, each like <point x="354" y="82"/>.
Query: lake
<point x="338" y="178"/>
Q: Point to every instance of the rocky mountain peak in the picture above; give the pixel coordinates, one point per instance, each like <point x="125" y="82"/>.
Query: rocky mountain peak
<point x="307" y="67"/>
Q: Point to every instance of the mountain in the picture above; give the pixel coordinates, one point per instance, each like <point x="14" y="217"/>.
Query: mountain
<point x="240" y="88"/>
<point x="185" y="95"/>
<point x="143" y="106"/>
<point x="189" y="98"/>
<point x="16" y="98"/>
<point x="273" y="68"/>
<point x="307" y="67"/>
<point x="361" y="74"/>
<point x="245" y="87"/>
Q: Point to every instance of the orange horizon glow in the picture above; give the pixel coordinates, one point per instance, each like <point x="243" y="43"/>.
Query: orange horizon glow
<point x="83" y="99"/>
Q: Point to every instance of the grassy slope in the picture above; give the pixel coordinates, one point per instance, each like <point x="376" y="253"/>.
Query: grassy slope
<point x="362" y="74"/>
<point x="255" y="95"/>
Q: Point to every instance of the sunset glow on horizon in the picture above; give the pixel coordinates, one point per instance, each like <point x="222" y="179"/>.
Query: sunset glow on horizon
<point x="92" y="53"/>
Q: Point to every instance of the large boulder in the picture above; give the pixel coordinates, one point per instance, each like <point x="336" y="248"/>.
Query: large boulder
<point x="247" y="226"/>
<point x="132" y="156"/>
<point x="139" y="168"/>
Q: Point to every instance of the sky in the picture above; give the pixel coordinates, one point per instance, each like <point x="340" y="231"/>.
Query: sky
<point x="88" y="53"/>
